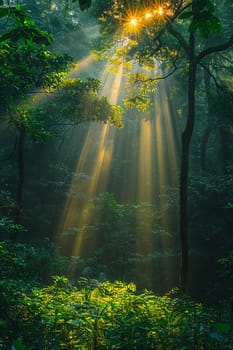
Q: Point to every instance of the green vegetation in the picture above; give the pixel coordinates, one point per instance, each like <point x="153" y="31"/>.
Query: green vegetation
<point x="93" y="315"/>
<point x="175" y="33"/>
<point x="97" y="222"/>
<point x="28" y="64"/>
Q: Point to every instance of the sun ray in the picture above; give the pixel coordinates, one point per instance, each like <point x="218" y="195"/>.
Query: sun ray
<point x="81" y="66"/>
<point x="148" y="156"/>
<point x="145" y="161"/>
<point x="167" y="151"/>
<point x="95" y="160"/>
<point x="144" y="192"/>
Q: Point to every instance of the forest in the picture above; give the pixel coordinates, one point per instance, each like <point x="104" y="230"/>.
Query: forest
<point x="116" y="176"/>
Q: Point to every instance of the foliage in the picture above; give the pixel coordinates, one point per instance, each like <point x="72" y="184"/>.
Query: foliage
<point x="112" y="227"/>
<point x="227" y="266"/>
<point x="31" y="119"/>
<point x="8" y="226"/>
<point x="57" y="17"/>
<point x="159" y="41"/>
<point x="28" y="65"/>
<point x="210" y="220"/>
<point x="123" y="241"/>
<point x="93" y="315"/>
<point x="25" y="61"/>
<point x="226" y="278"/>
<point x="78" y="101"/>
<point x="202" y="18"/>
<point x="22" y="262"/>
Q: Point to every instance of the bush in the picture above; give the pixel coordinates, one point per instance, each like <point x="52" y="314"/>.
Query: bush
<point x="98" y="316"/>
<point x="111" y="316"/>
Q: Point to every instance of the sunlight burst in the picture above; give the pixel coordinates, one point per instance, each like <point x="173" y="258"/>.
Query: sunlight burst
<point x="133" y="21"/>
<point x="148" y="15"/>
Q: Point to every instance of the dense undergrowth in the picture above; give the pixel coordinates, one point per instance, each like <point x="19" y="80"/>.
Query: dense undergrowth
<point x="36" y="314"/>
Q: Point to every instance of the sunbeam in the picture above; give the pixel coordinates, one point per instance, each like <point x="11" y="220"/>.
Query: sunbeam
<point x="95" y="161"/>
<point x="80" y="66"/>
<point x="145" y="162"/>
<point x="147" y="150"/>
<point x="144" y="193"/>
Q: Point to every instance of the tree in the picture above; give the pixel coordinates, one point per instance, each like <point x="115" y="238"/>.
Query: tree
<point x="154" y="32"/>
<point x="28" y="65"/>
<point x="56" y="17"/>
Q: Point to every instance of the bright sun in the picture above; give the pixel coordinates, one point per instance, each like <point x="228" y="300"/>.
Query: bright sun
<point x="133" y="22"/>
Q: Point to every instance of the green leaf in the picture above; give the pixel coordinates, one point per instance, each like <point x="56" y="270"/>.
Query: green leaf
<point x="204" y="28"/>
<point x="84" y="4"/>
<point x="186" y="15"/>
<point x="222" y="327"/>
<point x="215" y="24"/>
<point x="206" y="24"/>
<point x="18" y="345"/>
<point x="4" y="12"/>
<point x="229" y="206"/>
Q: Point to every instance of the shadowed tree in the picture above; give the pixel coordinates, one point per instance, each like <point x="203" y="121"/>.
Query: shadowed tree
<point x="28" y="65"/>
<point x="174" y="33"/>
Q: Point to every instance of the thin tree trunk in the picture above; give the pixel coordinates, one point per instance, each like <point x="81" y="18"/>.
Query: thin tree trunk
<point x="185" y="147"/>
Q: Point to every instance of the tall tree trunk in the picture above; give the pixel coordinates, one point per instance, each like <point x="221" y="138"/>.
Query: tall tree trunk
<point x="185" y="148"/>
<point x="20" y="183"/>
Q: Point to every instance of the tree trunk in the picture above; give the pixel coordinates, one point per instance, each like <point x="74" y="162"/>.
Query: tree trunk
<point x="185" y="147"/>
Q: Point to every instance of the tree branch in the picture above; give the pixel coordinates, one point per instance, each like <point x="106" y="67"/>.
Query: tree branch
<point x="179" y="37"/>
<point x="180" y="9"/>
<point x="218" y="86"/>
<point x="213" y="49"/>
<point x="159" y="78"/>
